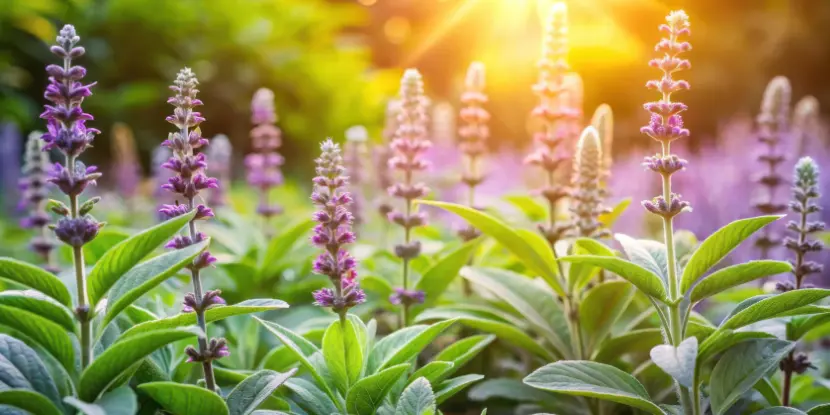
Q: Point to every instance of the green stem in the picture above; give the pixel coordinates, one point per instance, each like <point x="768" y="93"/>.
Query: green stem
<point x="83" y="313"/>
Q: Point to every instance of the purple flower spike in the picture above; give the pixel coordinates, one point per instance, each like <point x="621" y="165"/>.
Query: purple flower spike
<point x="407" y="297"/>
<point x="265" y="162"/>
<point x="804" y="193"/>
<point x="34" y="192"/>
<point x="559" y="92"/>
<point x="473" y="135"/>
<point x="333" y="232"/>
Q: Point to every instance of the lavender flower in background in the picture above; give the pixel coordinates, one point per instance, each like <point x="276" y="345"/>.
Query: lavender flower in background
<point x="806" y="124"/>
<point x="355" y="151"/>
<point x="381" y="155"/>
<point x="264" y="163"/>
<point x="587" y="195"/>
<point x="126" y="170"/>
<point x="408" y="147"/>
<point x="603" y="122"/>
<point x="34" y="194"/>
<point x="333" y="232"/>
<point x="473" y="135"/>
<point x="189" y="181"/>
<point x="219" y="155"/>
<point x="10" y="148"/>
<point x="773" y="128"/>
<point x="557" y="119"/>
<point x="67" y="132"/>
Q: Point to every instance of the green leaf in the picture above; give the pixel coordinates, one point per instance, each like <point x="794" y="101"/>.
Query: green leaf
<point x="579" y="275"/>
<point x="768" y="391"/>
<point x="735" y="275"/>
<point x="121" y="356"/>
<point x="254" y="390"/>
<point x="450" y="387"/>
<point x="432" y="371"/>
<point x="343" y="354"/>
<point x="741" y="367"/>
<point x="645" y="280"/>
<point x="719" y="245"/>
<point x="122" y="257"/>
<point x="21" y="367"/>
<point x="515" y="391"/>
<point x="417" y="399"/>
<point x="593" y="380"/>
<point x="281" y="245"/>
<point x="29" y="401"/>
<point x="120" y="401"/>
<point x="608" y="219"/>
<point x="366" y="396"/>
<point x="724" y="339"/>
<point x="822" y="409"/>
<point x="461" y="352"/>
<point x="508" y="237"/>
<point x="773" y="306"/>
<point x="146" y="276"/>
<point x="402" y="345"/>
<point x="541" y="310"/>
<point x="503" y="330"/>
<point x="650" y="255"/>
<point x="630" y="342"/>
<point x="438" y="277"/>
<point x="35" y="278"/>
<point x="801" y="326"/>
<point x="534" y="210"/>
<point x="182" y="399"/>
<point x="600" y="309"/>
<point x="678" y="362"/>
<point x="212" y="314"/>
<point x="303" y="351"/>
<point x="310" y="398"/>
<point x="51" y="336"/>
<point x="40" y="304"/>
<point x="781" y="410"/>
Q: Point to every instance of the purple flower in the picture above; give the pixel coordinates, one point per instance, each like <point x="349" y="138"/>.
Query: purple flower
<point x="805" y="193"/>
<point x="354" y="152"/>
<point x="557" y="115"/>
<point x="666" y="124"/>
<point x="264" y="163"/>
<point x="333" y="232"/>
<point x="219" y="154"/>
<point x="76" y="232"/>
<point x="408" y="297"/>
<point x="34" y="194"/>
<point x="587" y="195"/>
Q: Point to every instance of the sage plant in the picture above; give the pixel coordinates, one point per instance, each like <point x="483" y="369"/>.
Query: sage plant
<point x="220" y="155"/>
<point x="473" y="135"/>
<point x="603" y="122"/>
<point x="34" y="193"/>
<point x="773" y="125"/>
<point x="805" y="192"/>
<point x="556" y="118"/>
<point x="67" y="132"/>
<point x="264" y="163"/>
<point x="666" y="126"/>
<point x="333" y="232"/>
<point x="587" y="195"/>
<point x="408" y="147"/>
<point x="356" y="138"/>
<point x="188" y="181"/>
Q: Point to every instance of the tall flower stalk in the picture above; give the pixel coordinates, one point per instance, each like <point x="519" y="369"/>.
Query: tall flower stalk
<point x="805" y="192"/>
<point x="666" y="126"/>
<point x="587" y="195"/>
<point x="773" y="125"/>
<point x="220" y="156"/>
<point x="264" y="163"/>
<point x="473" y="135"/>
<point x="354" y="154"/>
<point x="127" y="170"/>
<point x="408" y="148"/>
<point x="555" y="116"/>
<point x="34" y="194"/>
<point x="67" y="132"/>
<point x="189" y="179"/>
<point x="333" y="232"/>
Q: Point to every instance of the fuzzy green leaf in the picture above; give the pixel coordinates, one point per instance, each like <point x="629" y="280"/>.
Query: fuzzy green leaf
<point x="461" y="352"/>
<point x="402" y="345"/>
<point x="773" y="306"/>
<point x="281" y="245"/>
<point x="51" y="336"/>
<point x="309" y="397"/>
<point x="366" y="396"/>
<point x="718" y="245"/>
<point x="343" y="354"/>
<point x="21" y="367"/>
<point x="678" y="362"/>
<point x="448" y="388"/>
<point x="255" y="389"/>
<point x="183" y="399"/>
<point x="579" y="275"/>
<point x="593" y="380"/>
<point x="120" y="401"/>
<point x="781" y="410"/>
<point x="645" y="280"/>
<point x="35" y="278"/>
<point x="600" y="309"/>
<point x="417" y="399"/>
<point x="735" y="275"/>
<point x="40" y="304"/>
<point x="29" y="401"/>
<point x="438" y="277"/>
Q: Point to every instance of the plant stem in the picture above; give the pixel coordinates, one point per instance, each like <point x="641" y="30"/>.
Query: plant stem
<point x="799" y="261"/>
<point x="407" y="238"/>
<point x="788" y="378"/>
<point x="84" y="312"/>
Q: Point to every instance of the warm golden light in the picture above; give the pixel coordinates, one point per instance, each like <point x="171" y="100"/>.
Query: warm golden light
<point x="396" y="29"/>
<point x="367" y="2"/>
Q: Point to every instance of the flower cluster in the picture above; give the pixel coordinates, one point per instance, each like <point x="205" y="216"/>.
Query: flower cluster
<point x="34" y="193"/>
<point x="189" y="179"/>
<point x="805" y="193"/>
<point x="408" y="147"/>
<point x="773" y="127"/>
<point x="556" y="117"/>
<point x="333" y="232"/>
<point x="473" y="135"/>
<point x="264" y="163"/>
<point x="219" y="155"/>
<point x="587" y="195"/>
<point x="356" y="138"/>
<point x="67" y="132"/>
<point x="603" y="122"/>
<point x="666" y="123"/>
